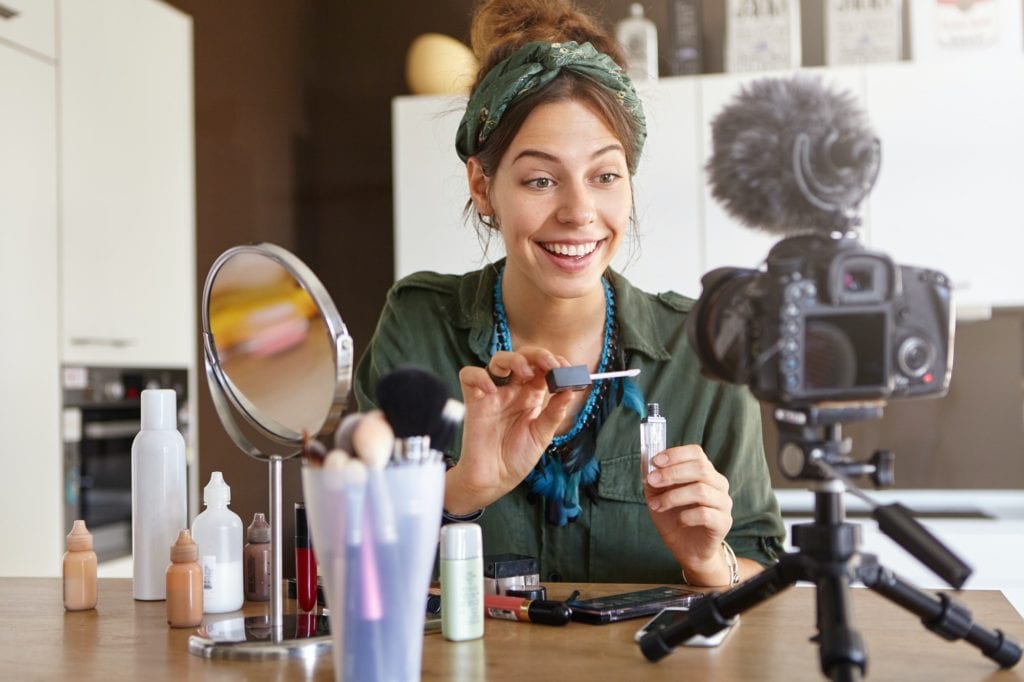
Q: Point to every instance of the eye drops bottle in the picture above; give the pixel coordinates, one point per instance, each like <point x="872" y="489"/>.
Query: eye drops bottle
<point x="462" y="582"/>
<point x="652" y="438"/>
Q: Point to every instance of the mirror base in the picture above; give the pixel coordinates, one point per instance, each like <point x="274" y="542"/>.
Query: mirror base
<point x="301" y="635"/>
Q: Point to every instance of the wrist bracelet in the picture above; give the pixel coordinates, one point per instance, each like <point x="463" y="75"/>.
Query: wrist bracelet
<point x="730" y="561"/>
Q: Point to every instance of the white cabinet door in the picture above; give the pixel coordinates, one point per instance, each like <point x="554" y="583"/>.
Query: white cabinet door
<point x="127" y="182"/>
<point x="28" y="25"/>
<point x="30" y="487"/>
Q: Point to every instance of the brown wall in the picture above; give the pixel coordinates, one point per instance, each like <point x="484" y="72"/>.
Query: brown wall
<point x="293" y="146"/>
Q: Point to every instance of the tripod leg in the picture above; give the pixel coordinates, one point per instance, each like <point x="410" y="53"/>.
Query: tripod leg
<point x="940" y="614"/>
<point x="715" y="611"/>
<point x="840" y="648"/>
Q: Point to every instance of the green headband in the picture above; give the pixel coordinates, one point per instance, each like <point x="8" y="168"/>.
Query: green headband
<point x="530" y="68"/>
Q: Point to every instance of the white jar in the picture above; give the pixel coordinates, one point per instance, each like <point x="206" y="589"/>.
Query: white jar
<point x="218" y="533"/>
<point x="159" y="497"/>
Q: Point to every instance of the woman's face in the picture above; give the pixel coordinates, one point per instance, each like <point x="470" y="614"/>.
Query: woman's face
<point x="562" y="198"/>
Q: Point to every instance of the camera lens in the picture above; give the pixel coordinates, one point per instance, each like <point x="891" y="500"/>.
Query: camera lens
<point x="717" y="325"/>
<point x="915" y="356"/>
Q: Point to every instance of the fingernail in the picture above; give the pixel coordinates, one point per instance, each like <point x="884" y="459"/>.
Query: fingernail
<point x="655" y="505"/>
<point x="661" y="459"/>
<point x="654" y="478"/>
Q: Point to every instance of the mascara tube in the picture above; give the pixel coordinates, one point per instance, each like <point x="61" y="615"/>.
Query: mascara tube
<point x="652" y="438"/>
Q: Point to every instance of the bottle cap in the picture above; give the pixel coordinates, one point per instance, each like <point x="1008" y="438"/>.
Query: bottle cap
<point x="461" y="541"/>
<point x="259" y="529"/>
<point x="79" y="539"/>
<point x="159" y="409"/>
<point x="184" y="550"/>
<point x="216" y="491"/>
<point x="301" y="526"/>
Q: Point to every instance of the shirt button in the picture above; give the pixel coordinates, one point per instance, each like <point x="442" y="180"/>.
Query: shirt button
<point x="555" y="577"/>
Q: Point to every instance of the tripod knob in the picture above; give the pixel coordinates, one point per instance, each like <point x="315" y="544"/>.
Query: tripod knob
<point x="884" y="474"/>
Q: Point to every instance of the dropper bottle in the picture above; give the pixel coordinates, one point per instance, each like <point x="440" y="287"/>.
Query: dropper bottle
<point x="653" y="434"/>
<point x="79" y="569"/>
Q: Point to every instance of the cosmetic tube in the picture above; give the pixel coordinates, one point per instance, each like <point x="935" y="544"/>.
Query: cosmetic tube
<point x="543" y="611"/>
<point x="652" y="438"/>
<point x="256" y="558"/>
<point x="184" y="584"/>
<point x="462" y="582"/>
<point x="305" y="562"/>
<point x="79" y="569"/>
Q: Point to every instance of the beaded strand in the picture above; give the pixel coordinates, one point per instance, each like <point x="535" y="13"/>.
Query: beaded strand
<point x="504" y="338"/>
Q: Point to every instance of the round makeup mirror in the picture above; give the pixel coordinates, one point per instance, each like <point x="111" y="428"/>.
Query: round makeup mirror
<point x="275" y="348"/>
<point x="279" y="364"/>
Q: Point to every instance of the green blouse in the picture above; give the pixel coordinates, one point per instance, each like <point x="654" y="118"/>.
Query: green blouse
<point x="445" y="322"/>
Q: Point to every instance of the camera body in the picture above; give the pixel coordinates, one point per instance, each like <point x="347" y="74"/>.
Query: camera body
<point x="826" y="321"/>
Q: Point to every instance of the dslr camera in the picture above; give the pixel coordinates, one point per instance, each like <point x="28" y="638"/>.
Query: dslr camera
<point x="826" y="321"/>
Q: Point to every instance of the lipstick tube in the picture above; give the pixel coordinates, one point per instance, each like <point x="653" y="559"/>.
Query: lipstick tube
<point x="305" y="562"/>
<point x="541" y="611"/>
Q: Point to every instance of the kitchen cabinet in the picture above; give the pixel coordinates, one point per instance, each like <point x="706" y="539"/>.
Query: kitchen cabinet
<point x="127" y="183"/>
<point x="945" y="197"/>
<point x="30" y="485"/>
<point x="96" y="229"/>
<point x="28" y="26"/>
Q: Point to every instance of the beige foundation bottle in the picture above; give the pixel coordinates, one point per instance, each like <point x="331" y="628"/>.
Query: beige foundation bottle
<point x="184" y="584"/>
<point x="79" y="569"/>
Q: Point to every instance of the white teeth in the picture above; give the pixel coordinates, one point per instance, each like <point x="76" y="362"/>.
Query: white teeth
<point x="574" y="250"/>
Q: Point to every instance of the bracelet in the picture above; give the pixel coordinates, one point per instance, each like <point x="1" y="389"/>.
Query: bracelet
<point x="446" y="518"/>
<point x="730" y="560"/>
<point x="733" y="562"/>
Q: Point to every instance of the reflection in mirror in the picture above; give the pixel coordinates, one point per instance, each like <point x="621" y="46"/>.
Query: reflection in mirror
<point x="273" y="345"/>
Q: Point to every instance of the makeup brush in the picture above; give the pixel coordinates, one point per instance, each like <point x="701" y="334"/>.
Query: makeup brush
<point x="343" y="434"/>
<point x="374" y="441"/>
<point x="416" y="402"/>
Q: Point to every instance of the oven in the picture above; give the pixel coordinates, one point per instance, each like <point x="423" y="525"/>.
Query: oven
<point x="101" y="416"/>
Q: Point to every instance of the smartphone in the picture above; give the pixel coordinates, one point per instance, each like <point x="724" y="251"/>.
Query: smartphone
<point x="616" y="607"/>
<point x="674" y="614"/>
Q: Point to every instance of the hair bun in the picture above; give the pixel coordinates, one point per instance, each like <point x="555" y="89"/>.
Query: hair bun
<point x="499" y="27"/>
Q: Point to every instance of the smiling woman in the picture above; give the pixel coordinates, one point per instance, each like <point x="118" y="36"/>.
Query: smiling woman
<point x="551" y="138"/>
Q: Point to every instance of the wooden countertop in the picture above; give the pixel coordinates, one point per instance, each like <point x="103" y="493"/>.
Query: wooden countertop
<point x="126" y="639"/>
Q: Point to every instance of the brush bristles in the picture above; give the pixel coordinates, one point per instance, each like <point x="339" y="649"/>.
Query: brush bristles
<point x="373" y="440"/>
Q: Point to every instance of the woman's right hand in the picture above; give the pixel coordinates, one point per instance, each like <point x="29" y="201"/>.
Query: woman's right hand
<point x="506" y="428"/>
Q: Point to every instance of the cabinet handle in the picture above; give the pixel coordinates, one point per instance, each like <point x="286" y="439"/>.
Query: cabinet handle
<point x="7" y="13"/>
<point x="94" y="341"/>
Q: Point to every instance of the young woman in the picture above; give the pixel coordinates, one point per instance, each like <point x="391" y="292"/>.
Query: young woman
<point x="551" y="138"/>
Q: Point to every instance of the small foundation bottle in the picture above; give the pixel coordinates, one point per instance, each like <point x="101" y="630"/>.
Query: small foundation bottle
<point x="184" y="584"/>
<point x="256" y="556"/>
<point x="79" y="569"/>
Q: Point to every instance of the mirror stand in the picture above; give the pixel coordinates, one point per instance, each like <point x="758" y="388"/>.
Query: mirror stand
<point x="276" y="635"/>
<point x="282" y="359"/>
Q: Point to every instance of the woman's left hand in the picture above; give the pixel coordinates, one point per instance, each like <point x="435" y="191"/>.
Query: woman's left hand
<point x="692" y="510"/>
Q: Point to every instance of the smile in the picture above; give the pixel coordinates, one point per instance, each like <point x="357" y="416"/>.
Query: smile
<point x="572" y="250"/>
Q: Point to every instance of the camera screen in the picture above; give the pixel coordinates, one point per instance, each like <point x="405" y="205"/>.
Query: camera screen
<point x="845" y="351"/>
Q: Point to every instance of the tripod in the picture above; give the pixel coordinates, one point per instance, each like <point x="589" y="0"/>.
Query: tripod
<point x="811" y="447"/>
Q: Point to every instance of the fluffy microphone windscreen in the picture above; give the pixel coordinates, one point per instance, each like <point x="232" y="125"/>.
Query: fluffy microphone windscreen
<point x="782" y="139"/>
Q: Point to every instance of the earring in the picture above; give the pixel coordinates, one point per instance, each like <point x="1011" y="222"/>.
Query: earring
<point x="486" y="220"/>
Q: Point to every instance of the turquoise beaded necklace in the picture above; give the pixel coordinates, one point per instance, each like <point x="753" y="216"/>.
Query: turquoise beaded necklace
<point x="568" y="463"/>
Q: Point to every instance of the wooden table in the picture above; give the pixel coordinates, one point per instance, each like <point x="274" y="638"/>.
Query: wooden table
<point x="128" y="640"/>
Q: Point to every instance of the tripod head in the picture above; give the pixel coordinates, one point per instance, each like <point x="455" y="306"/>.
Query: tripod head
<point x="811" y="447"/>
